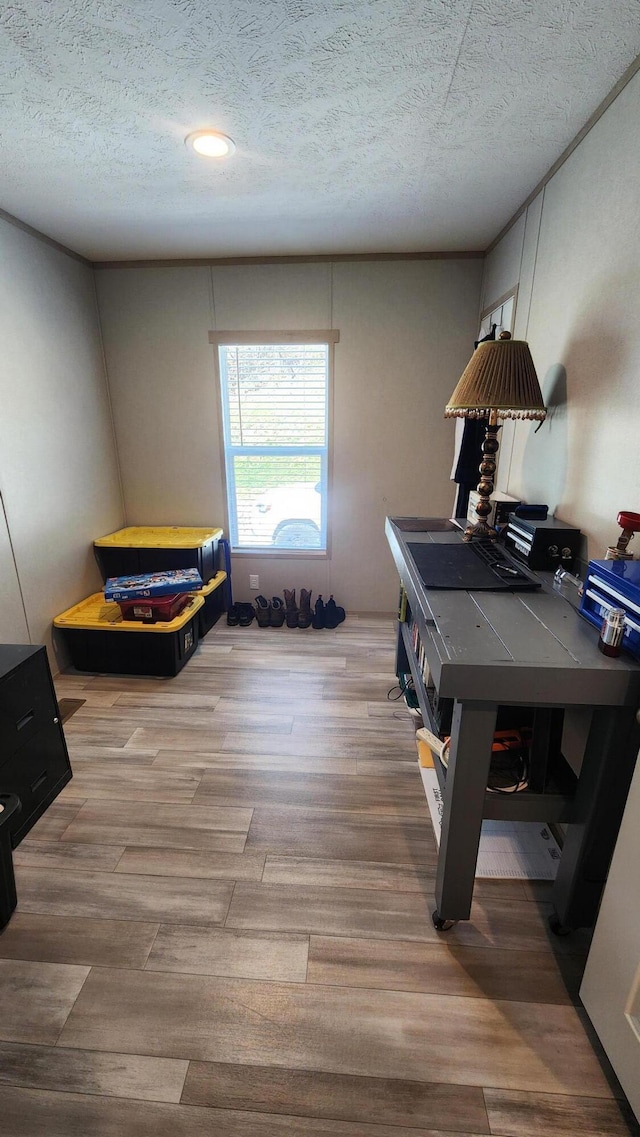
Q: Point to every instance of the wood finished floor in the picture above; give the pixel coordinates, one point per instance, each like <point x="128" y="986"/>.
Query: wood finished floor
<point x="224" y="924"/>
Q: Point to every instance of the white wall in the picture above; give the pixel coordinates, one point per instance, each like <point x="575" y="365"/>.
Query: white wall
<point x="502" y="269"/>
<point x="58" y="470"/>
<point x="13" y="621"/>
<point x="576" y="259"/>
<point x="406" y="332"/>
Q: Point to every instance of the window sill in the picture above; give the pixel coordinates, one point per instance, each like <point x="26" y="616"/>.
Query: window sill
<point x="282" y="554"/>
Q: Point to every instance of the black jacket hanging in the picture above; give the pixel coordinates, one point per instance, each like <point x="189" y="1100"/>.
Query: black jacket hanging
<point x="467" y="473"/>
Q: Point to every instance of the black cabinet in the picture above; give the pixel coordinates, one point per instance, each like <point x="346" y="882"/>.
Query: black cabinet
<point x="34" y="763"/>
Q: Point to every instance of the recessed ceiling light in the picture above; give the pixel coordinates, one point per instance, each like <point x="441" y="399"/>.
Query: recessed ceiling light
<point x="210" y="143"/>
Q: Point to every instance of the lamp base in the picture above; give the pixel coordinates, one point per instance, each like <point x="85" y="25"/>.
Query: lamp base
<point x="480" y="532"/>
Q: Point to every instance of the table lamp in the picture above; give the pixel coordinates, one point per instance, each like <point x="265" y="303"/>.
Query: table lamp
<point x="498" y="382"/>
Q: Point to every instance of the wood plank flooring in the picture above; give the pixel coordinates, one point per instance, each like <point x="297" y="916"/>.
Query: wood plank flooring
<point x="224" y="924"/>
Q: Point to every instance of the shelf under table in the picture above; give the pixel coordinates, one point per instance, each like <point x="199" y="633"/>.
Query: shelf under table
<point x="552" y="806"/>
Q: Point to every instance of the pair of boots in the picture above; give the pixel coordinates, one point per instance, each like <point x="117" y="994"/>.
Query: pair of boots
<point x="327" y="615"/>
<point x="240" y="615"/>
<point x="269" y="613"/>
<point x="273" y="613"/>
<point x="297" y="617"/>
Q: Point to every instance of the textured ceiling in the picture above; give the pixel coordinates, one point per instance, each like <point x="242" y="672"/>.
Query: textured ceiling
<point x="360" y="125"/>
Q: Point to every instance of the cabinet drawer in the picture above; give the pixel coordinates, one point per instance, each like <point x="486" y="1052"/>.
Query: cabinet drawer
<point x="27" y="704"/>
<point x="33" y="773"/>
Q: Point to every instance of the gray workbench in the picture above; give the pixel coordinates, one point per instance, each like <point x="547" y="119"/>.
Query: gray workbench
<point x="490" y="649"/>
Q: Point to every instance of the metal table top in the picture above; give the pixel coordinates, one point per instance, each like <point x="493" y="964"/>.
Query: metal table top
<point x="530" y="648"/>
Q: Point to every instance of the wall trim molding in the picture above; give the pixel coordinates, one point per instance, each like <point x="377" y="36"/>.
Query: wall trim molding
<point x="15" y="221"/>
<point x="317" y="258"/>
<point x="568" y="151"/>
<point x="511" y="292"/>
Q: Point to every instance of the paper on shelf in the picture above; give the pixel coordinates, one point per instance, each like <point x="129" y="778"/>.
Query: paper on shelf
<point x="512" y="850"/>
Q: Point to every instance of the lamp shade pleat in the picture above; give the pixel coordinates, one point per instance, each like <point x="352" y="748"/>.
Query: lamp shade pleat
<point x="501" y="377"/>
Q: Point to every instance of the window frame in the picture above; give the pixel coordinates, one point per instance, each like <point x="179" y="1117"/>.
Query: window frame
<point x="330" y="337"/>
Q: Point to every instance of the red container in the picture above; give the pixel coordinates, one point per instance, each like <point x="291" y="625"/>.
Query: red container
<point x="154" y="609"/>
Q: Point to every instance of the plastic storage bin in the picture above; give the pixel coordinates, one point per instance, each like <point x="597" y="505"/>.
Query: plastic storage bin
<point x="99" y="640"/>
<point x="213" y="594"/>
<point x="154" y="548"/>
<point x="155" y="609"/>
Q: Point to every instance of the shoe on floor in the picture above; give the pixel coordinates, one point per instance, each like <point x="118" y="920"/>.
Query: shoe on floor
<point x="277" y="612"/>
<point x="233" y="616"/>
<point x="246" y="614"/>
<point x="304" y="613"/>
<point x="333" y="614"/>
<point x="263" y="612"/>
<point x="291" y="613"/>
<point x="318" y="614"/>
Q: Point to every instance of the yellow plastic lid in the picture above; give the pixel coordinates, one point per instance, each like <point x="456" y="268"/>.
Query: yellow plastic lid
<point x="158" y="537"/>
<point x="95" y="614"/>
<point x="214" y="583"/>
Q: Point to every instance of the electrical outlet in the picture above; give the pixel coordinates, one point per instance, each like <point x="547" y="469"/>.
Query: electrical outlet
<point x="254" y="581"/>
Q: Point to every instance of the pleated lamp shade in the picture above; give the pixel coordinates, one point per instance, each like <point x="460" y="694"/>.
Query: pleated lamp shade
<point x="499" y="377"/>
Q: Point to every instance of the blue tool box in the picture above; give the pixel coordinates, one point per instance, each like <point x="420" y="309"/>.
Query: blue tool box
<point x="614" y="584"/>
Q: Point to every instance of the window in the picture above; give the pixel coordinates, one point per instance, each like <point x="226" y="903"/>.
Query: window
<point x="275" y="409"/>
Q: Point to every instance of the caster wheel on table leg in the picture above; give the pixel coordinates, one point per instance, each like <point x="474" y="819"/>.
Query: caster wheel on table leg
<point x="557" y="928"/>
<point x="441" y="925"/>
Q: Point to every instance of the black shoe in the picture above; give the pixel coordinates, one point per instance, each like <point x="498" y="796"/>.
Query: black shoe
<point x="318" y="618"/>
<point x="232" y="616"/>
<point x="291" y="614"/>
<point x="245" y="614"/>
<point x="333" y="615"/>
<point x="277" y="612"/>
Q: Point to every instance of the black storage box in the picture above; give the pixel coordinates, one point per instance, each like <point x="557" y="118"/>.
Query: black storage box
<point x="543" y="545"/>
<point x="214" y="603"/>
<point x="156" y="548"/>
<point x="100" y="641"/>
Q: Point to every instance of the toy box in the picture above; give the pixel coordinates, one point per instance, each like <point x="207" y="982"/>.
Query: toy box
<point x="145" y="585"/>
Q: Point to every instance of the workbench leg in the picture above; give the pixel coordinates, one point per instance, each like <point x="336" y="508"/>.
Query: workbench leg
<point x="467" y="773"/>
<point x="607" y="769"/>
<point x="402" y="659"/>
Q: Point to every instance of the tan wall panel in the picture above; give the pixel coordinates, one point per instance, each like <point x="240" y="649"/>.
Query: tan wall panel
<point x="13" y="624"/>
<point x="529" y="251"/>
<point x="524" y="280"/>
<point x="272" y="297"/>
<point x="406" y="334"/>
<point x="584" y="331"/>
<point x="160" y="368"/>
<point x="58" y="470"/>
<point x="406" y="331"/>
<point x="502" y="266"/>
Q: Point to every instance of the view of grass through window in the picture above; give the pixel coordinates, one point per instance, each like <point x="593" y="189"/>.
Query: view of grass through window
<point x="275" y="400"/>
